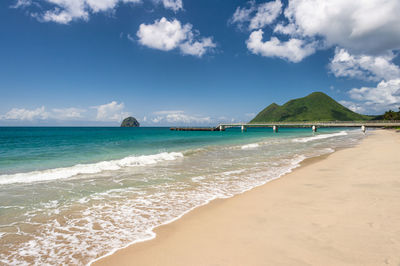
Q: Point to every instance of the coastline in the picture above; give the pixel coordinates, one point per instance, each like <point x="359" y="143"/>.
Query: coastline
<point x="269" y="225"/>
<point x="153" y="231"/>
<point x="127" y="208"/>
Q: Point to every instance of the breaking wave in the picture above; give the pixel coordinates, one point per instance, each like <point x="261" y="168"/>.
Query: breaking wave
<point x="250" y="146"/>
<point x="322" y="136"/>
<point x="67" y="172"/>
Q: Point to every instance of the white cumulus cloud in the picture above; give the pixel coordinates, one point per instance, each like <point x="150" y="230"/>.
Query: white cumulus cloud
<point x="266" y="14"/>
<point x="362" y="66"/>
<point x="359" y="26"/>
<point x="112" y="111"/>
<point x="386" y="93"/>
<point x="197" y="47"/>
<point x="174" y="5"/>
<point x="109" y="112"/>
<point x="179" y="117"/>
<point x="293" y="50"/>
<point x="26" y="114"/>
<point x="163" y="34"/>
<point x="355" y="107"/>
<point x="381" y="69"/>
<point x="65" y="11"/>
<point x="41" y="113"/>
<point x="167" y="35"/>
<point x="385" y="96"/>
<point x="22" y="3"/>
<point x="257" y="16"/>
<point x="243" y="15"/>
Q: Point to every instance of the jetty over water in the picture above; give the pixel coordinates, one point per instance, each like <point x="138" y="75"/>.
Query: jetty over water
<point x="314" y="125"/>
<point x="196" y="129"/>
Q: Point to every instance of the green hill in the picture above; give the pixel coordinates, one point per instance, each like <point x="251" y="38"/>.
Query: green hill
<point x="315" y="107"/>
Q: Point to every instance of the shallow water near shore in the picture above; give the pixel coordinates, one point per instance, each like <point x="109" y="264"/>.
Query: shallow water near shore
<point x="71" y="195"/>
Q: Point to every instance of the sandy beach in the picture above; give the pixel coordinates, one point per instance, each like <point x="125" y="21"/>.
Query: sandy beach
<point x="341" y="209"/>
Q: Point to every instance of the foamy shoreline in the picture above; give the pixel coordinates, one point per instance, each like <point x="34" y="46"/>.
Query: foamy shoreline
<point x="195" y="239"/>
<point x="299" y="162"/>
<point x="121" y="213"/>
<point x="93" y="168"/>
<point x="296" y="164"/>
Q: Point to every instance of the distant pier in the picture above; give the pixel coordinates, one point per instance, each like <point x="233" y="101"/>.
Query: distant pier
<point x="313" y="125"/>
<point x="196" y="129"/>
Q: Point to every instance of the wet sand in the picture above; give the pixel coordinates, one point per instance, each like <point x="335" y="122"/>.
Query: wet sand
<point x="341" y="209"/>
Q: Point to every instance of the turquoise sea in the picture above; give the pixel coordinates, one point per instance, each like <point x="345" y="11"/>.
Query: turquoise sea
<point x="71" y="195"/>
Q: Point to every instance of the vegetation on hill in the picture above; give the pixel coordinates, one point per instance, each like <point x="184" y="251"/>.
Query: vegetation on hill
<point x="392" y="115"/>
<point x="315" y="107"/>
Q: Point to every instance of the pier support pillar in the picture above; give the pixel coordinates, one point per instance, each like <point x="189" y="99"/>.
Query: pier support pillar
<point x="244" y="128"/>
<point x="314" y="129"/>
<point x="363" y="128"/>
<point x="275" y="129"/>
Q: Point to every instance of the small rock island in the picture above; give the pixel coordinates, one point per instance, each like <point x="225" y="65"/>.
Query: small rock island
<point x="130" y="122"/>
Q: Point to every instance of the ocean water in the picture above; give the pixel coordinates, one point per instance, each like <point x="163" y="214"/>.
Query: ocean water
<point x="72" y="195"/>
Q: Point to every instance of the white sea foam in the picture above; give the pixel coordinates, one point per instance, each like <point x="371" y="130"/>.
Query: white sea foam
<point x="197" y="178"/>
<point x="107" y="224"/>
<point x="322" y="136"/>
<point x="209" y="190"/>
<point x="67" y="172"/>
<point x="250" y="146"/>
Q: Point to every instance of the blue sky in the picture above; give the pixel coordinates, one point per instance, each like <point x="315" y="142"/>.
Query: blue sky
<point x="173" y="62"/>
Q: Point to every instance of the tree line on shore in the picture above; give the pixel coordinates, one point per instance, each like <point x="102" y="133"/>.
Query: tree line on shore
<point x="391" y="115"/>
